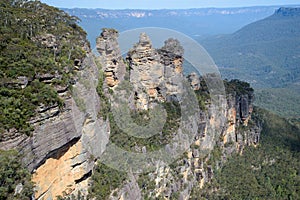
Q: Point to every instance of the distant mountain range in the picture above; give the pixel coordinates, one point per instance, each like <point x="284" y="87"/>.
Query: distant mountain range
<point x="197" y="23"/>
<point x="265" y="53"/>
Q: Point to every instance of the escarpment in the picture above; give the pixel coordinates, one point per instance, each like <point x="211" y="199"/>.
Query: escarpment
<point x="49" y="103"/>
<point x="61" y="150"/>
<point x="156" y="76"/>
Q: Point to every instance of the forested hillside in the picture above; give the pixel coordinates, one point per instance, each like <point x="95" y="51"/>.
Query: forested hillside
<point x="41" y="48"/>
<point x="266" y="54"/>
<point x="38" y="43"/>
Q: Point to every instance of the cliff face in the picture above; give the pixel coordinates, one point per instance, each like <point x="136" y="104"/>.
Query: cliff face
<point x="67" y="152"/>
<point x="155" y="73"/>
<point x="156" y="76"/>
<point x="287" y="12"/>
<point x="65" y="143"/>
<point x="62" y="148"/>
<point x="114" y="67"/>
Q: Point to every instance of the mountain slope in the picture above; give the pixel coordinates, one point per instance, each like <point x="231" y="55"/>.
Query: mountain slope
<point x="265" y="53"/>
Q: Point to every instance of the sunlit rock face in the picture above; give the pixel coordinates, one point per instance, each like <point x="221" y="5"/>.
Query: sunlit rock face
<point x="108" y="48"/>
<point x="156" y="76"/>
<point x="62" y="149"/>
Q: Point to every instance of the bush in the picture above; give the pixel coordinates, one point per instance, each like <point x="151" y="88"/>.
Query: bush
<point x="104" y="181"/>
<point x="13" y="174"/>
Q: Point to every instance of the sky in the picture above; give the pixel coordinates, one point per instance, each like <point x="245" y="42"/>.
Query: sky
<point x="161" y="4"/>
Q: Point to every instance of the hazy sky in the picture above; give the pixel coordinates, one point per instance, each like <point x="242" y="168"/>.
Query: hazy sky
<point x="159" y="4"/>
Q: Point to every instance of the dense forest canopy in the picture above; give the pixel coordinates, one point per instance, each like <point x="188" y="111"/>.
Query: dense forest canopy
<point x="35" y="39"/>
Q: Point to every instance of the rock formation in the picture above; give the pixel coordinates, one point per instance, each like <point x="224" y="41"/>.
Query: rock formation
<point x="114" y="67"/>
<point x="155" y="73"/>
<point x="194" y="80"/>
<point x="288" y="11"/>
<point x="66" y="142"/>
<point x="156" y="76"/>
<point x="62" y="149"/>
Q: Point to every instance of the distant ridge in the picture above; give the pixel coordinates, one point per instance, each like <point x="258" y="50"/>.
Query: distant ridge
<point x="265" y="53"/>
<point x="285" y="11"/>
<point x="196" y="22"/>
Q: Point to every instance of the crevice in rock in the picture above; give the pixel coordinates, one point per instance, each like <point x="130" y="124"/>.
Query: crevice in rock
<point x="77" y="164"/>
<point x="84" y="177"/>
<point x="55" y="114"/>
<point x="48" y="108"/>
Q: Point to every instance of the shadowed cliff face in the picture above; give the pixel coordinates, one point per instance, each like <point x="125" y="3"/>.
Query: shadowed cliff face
<point x="62" y="148"/>
<point x="66" y="165"/>
<point x="287" y="12"/>
<point x="156" y="76"/>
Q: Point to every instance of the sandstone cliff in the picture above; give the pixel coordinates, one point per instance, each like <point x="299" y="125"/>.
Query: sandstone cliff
<point x="62" y="150"/>
<point x="155" y="73"/>
<point x="156" y="76"/>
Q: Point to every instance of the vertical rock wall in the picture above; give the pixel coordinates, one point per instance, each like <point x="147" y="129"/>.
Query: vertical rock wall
<point x="156" y="75"/>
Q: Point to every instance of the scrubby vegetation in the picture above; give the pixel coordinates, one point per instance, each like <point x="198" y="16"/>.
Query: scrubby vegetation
<point x="237" y="87"/>
<point x="153" y="143"/>
<point x="15" y="181"/>
<point x="104" y="181"/>
<point x="35" y="39"/>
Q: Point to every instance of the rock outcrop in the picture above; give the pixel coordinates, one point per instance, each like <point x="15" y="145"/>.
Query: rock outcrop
<point x="71" y="145"/>
<point x="155" y="73"/>
<point x="156" y="76"/>
<point x="108" y="47"/>
<point x="194" y="80"/>
<point x="66" y="142"/>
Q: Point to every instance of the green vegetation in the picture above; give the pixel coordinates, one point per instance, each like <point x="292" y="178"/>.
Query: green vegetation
<point x="35" y="39"/>
<point x="269" y="171"/>
<point x="79" y="196"/>
<point x="153" y="143"/>
<point x="282" y="101"/>
<point x="264" y="53"/>
<point x="146" y="184"/>
<point x="104" y="181"/>
<point x="237" y="87"/>
<point x="18" y="106"/>
<point x="202" y="95"/>
<point x="13" y="175"/>
<point x="104" y="101"/>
